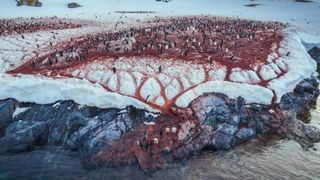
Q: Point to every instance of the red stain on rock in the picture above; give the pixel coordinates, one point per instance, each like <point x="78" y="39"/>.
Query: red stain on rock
<point x="149" y="146"/>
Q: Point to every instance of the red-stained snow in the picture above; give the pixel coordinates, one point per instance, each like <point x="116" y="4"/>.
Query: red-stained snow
<point x="160" y="61"/>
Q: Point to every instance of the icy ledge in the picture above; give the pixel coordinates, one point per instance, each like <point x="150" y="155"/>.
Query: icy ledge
<point x="42" y="90"/>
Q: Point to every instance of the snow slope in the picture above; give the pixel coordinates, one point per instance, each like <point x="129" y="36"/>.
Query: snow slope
<point x="45" y="90"/>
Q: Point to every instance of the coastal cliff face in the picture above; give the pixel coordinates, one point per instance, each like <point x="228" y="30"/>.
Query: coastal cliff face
<point x="113" y="137"/>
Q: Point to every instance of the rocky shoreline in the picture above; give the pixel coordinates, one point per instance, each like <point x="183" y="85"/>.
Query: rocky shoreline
<point x="113" y="137"/>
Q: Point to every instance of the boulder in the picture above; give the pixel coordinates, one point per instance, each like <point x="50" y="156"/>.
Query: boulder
<point x="35" y="3"/>
<point x="305" y="92"/>
<point x="215" y="108"/>
<point x="315" y="54"/>
<point x="227" y="129"/>
<point x="245" y="134"/>
<point x="222" y="141"/>
<point x="22" y="135"/>
<point x="73" y="5"/>
<point x="7" y="108"/>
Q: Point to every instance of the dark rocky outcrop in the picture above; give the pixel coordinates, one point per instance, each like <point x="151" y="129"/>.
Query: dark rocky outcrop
<point x="35" y="3"/>
<point x="65" y="123"/>
<point x="73" y="5"/>
<point x="315" y="54"/>
<point x="7" y="108"/>
<point x="302" y="96"/>
<point x="22" y="135"/>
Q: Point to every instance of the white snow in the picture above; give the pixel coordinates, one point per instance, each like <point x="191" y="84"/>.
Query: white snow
<point x="138" y="77"/>
<point x="172" y="89"/>
<point x="185" y="83"/>
<point x="56" y="105"/>
<point x="267" y="72"/>
<point x="218" y="74"/>
<point x="275" y="68"/>
<point x="127" y="85"/>
<point x="196" y="75"/>
<point x="43" y="90"/>
<point x="251" y="93"/>
<point x="113" y="82"/>
<point x="19" y="111"/>
<point x="245" y="76"/>
<point x="164" y="79"/>
<point x="160" y="101"/>
<point x="150" y="89"/>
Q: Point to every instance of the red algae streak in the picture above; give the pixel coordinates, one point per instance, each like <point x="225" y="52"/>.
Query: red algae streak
<point x="207" y="42"/>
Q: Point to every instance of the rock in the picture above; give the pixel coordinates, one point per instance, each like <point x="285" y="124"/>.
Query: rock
<point x="312" y="133"/>
<point x="61" y="129"/>
<point x="305" y="92"/>
<point x="73" y="5"/>
<point x="245" y="134"/>
<point x="315" y="54"/>
<point x="227" y="129"/>
<point x="38" y="4"/>
<point x="222" y="141"/>
<point x="306" y="135"/>
<point x="235" y="120"/>
<point x="22" y="135"/>
<point x="306" y="86"/>
<point x="35" y="3"/>
<point x="292" y="102"/>
<point x="256" y="107"/>
<point x="7" y="108"/>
